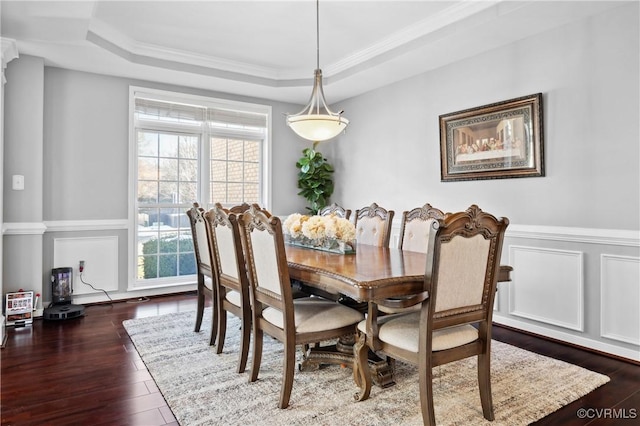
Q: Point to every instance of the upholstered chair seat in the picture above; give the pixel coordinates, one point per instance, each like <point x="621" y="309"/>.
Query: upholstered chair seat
<point x="208" y="283"/>
<point x="234" y="297"/>
<point x="403" y="331"/>
<point x="313" y="314"/>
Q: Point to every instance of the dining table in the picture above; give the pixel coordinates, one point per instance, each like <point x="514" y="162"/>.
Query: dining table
<point x="371" y="273"/>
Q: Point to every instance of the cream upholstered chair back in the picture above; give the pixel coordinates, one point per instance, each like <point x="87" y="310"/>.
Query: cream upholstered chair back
<point x="200" y="238"/>
<point x="462" y="272"/>
<point x="264" y="248"/>
<point x="415" y="229"/>
<point x="373" y="225"/>
<point x="415" y="226"/>
<point x="336" y="210"/>
<point x="232" y="291"/>
<point x="224" y="242"/>
<point x="204" y="264"/>
<point x="467" y="263"/>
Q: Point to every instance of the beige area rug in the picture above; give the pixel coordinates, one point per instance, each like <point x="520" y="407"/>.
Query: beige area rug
<point x="202" y="388"/>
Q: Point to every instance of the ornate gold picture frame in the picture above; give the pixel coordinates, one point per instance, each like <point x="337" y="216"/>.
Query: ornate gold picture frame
<point x="495" y="141"/>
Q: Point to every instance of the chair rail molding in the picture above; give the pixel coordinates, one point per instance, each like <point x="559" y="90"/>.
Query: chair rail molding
<point x="23" y="228"/>
<point x="39" y="228"/>
<point x="86" y="225"/>
<point x="617" y="237"/>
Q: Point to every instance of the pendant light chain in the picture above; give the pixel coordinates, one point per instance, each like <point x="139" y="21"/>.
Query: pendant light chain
<point x="316" y="122"/>
<point x="317" y="34"/>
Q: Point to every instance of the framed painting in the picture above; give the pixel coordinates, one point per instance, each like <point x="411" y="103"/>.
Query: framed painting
<point x="500" y="140"/>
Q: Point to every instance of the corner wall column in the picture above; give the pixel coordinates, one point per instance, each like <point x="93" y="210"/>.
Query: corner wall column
<point x="9" y="53"/>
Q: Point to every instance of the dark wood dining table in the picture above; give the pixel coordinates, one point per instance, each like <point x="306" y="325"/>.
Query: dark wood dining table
<point x="371" y="273"/>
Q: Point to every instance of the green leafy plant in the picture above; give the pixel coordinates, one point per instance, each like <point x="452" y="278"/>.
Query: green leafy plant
<point x="315" y="178"/>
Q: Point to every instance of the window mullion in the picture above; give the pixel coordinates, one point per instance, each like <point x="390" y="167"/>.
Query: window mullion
<point x="204" y="178"/>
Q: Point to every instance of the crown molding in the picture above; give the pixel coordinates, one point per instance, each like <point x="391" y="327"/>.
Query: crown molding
<point x="411" y="34"/>
<point x="9" y="53"/>
<point x="114" y="41"/>
<point x="9" y="50"/>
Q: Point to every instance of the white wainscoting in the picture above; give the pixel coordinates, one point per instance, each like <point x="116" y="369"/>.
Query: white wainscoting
<point x="620" y="296"/>
<point x="100" y="255"/>
<point x="577" y="285"/>
<point x="590" y="279"/>
<point x="549" y="286"/>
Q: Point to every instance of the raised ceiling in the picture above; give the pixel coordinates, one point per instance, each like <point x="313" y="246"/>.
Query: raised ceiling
<point x="267" y="49"/>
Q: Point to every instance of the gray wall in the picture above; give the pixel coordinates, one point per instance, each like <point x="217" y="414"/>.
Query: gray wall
<point x="573" y="240"/>
<point x="588" y="74"/>
<point x="86" y="146"/>
<point x="23" y="133"/>
<point x="67" y="133"/>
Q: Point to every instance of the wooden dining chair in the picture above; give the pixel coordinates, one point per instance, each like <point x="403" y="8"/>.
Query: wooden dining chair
<point x="232" y="292"/>
<point x="415" y="227"/>
<point x="454" y="321"/>
<point x="204" y="268"/>
<point x="294" y="322"/>
<point x="373" y="225"/>
<point x="414" y="236"/>
<point x="335" y="209"/>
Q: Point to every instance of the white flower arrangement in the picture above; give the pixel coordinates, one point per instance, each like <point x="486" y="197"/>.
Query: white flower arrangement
<point x="320" y="231"/>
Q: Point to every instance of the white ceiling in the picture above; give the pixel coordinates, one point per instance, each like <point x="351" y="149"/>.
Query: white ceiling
<point x="267" y="48"/>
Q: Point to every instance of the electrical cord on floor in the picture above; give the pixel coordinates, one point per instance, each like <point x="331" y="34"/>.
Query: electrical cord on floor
<point x="138" y="300"/>
<point x="96" y="289"/>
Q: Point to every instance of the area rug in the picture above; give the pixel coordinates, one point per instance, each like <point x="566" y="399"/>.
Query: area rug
<point x="202" y="388"/>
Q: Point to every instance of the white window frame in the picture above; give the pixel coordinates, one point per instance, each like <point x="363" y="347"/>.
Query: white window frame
<point x="203" y="181"/>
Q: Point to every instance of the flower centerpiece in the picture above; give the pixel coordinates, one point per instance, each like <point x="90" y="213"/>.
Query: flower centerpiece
<point x="328" y="233"/>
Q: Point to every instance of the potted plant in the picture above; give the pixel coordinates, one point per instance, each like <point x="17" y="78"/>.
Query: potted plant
<point x="315" y="178"/>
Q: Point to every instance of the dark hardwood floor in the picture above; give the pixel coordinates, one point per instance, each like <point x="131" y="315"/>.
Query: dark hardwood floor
<point x="85" y="371"/>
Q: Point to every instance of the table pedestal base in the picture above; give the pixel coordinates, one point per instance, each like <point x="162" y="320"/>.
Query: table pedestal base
<point x="342" y="354"/>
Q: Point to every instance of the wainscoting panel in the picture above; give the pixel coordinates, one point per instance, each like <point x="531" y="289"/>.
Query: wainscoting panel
<point x="100" y="255"/>
<point x="547" y="286"/>
<point x="620" y="298"/>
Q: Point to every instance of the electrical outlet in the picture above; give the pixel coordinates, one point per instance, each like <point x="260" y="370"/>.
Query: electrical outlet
<point x="81" y="265"/>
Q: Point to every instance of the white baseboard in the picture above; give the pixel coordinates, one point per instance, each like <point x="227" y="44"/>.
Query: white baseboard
<point x="568" y="337"/>
<point x="3" y="332"/>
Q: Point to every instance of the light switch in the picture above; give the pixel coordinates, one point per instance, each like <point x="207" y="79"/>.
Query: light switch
<point x="18" y="182"/>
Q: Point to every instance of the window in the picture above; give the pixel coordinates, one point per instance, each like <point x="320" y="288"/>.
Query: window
<point x="184" y="149"/>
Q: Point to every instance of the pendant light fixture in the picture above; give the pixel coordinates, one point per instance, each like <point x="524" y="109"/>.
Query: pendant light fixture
<point x="316" y="122"/>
